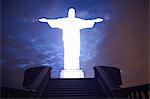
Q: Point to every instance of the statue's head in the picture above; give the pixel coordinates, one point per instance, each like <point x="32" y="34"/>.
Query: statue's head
<point x="71" y="13"/>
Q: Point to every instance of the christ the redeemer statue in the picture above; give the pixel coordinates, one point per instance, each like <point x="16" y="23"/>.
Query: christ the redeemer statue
<point x="71" y="26"/>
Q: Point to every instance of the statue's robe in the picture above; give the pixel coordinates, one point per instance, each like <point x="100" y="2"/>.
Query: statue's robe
<point x="71" y="38"/>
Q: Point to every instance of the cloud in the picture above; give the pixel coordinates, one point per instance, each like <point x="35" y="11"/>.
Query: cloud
<point x="83" y="14"/>
<point x="107" y="16"/>
<point x="29" y="20"/>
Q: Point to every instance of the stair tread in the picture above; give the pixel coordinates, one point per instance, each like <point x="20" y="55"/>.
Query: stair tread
<point x="73" y="88"/>
<point x="73" y="94"/>
<point x="76" y="97"/>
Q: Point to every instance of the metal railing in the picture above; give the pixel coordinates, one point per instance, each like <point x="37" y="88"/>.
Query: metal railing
<point x="135" y="92"/>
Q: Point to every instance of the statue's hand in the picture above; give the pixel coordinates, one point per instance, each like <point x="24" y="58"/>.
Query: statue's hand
<point x="43" y="20"/>
<point x="98" y="20"/>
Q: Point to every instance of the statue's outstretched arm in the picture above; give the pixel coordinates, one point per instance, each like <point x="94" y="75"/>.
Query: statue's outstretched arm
<point x="43" y="20"/>
<point x="98" y="20"/>
<point x="53" y="23"/>
<point x="89" y="23"/>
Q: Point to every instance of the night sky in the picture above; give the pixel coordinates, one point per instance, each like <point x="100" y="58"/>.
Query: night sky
<point x="121" y="40"/>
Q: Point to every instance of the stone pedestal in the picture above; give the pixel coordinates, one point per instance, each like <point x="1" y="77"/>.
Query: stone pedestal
<point x="72" y="73"/>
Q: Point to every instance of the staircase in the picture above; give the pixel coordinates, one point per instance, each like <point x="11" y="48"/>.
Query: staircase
<point x="83" y="88"/>
<point x="38" y="84"/>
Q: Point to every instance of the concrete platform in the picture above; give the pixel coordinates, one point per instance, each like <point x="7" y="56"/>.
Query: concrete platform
<point x="71" y="73"/>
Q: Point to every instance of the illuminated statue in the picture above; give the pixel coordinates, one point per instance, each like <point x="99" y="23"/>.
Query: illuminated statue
<point x="71" y="37"/>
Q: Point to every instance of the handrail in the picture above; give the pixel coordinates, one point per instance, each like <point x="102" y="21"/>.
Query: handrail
<point x="39" y="83"/>
<point x="105" y="76"/>
<point x="135" y="92"/>
<point x="38" y="80"/>
<point x="104" y="79"/>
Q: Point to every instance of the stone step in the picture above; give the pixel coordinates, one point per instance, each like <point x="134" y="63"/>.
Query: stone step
<point x="75" y="97"/>
<point x="73" y="88"/>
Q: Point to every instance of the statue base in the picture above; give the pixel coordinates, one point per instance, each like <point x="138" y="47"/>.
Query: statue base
<point x="72" y="73"/>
